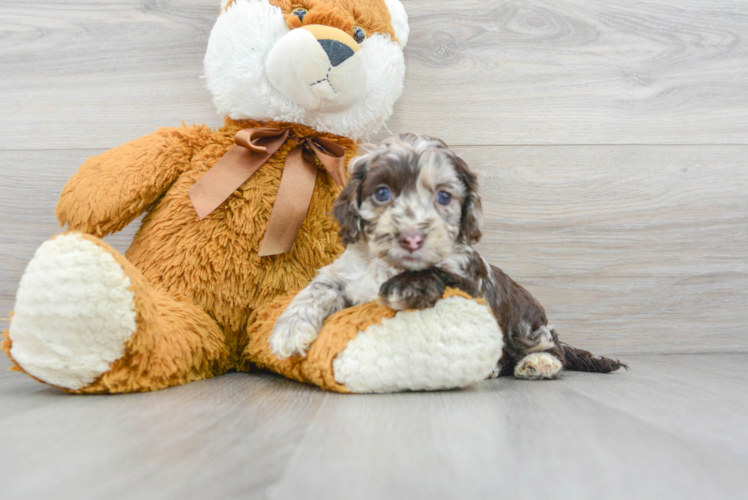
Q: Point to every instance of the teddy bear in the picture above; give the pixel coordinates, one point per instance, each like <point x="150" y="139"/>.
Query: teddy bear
<point x="237" y="220"/>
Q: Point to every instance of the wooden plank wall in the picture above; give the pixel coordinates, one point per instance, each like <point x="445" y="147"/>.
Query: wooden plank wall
<point x="611" y="138"/>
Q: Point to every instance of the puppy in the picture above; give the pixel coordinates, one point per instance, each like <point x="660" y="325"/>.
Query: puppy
<point x="410" y="216"/>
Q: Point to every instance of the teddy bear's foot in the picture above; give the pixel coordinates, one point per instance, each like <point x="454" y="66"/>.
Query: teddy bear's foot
<point x="87" y="321"/>
<point x="453" y="344"/>
<point x="74" y="312"/>
<point x="370" y="348"/>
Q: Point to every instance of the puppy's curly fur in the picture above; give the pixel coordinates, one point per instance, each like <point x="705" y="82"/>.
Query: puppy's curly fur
<point x="410" y="216"/>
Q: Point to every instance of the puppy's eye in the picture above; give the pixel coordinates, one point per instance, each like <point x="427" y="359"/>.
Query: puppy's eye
<point x="359" y="34"/>
<point x="382" y="194"/>
<point x="443" y="198"/>
<point x="300" y="13"/>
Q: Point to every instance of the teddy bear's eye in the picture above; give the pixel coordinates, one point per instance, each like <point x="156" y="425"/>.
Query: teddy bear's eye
<point x="359" y="34"/>
<point x="300" y="13"/>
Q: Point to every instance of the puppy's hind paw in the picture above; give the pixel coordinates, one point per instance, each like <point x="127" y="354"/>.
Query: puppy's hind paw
<point x="292" y="336"/>
<point x="538" y="366"/>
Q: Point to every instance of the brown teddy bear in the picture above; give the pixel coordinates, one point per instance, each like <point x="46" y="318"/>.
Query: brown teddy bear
<point x="236" y="217"/>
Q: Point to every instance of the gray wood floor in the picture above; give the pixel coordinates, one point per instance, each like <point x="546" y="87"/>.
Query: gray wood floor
<point x="672" y="427"/>
<point x="611" y="139"/>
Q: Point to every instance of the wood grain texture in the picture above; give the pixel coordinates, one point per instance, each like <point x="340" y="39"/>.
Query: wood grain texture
<point x="673" y="427"/>
<point x="611" y="140"/>
<point x="630" y="249"/>
<point x="577" y="72"/>
<point x="91" y="74"/>
<point x="225" y="438"/>
<point x="508" y="439"/>
<point x="30" y="183"/>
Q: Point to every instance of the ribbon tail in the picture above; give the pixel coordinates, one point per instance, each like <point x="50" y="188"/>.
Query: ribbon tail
<point x="223" y="178"/>
<point x="291" y="205"/>
<point x="332" y="157"/>
<point x="252" y="149"/>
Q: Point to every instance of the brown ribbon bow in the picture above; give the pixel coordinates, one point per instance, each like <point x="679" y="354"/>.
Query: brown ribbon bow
<point x="254" y="146"/>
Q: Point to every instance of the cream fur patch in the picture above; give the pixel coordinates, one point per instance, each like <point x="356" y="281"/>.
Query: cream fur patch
<point x="300" y="69"/>
<point x="399" y="20"/>
<point x="409" y="352"/>
<point x="74" y="312"/>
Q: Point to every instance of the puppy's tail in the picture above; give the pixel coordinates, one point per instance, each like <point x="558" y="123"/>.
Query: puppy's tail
<point x="580" y="360"/>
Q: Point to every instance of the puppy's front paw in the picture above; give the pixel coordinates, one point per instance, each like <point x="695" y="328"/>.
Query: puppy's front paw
<point x="538" y="366"/>
<point x="292" y="335"/>
<point x="411" y="290"/>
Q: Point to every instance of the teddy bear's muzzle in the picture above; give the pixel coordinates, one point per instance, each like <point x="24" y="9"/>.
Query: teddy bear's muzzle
<point x="320" y="68"/>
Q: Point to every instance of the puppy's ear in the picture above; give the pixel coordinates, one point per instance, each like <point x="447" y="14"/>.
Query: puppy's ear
<point x="346" y="206"/>
<point x="472" y="211"/>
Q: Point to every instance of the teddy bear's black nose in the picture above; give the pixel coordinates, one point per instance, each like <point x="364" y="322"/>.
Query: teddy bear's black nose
<point x="336" y="51"/>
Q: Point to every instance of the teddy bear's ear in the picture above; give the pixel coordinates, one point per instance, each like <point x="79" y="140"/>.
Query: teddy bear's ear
<point x="399" y="20"/>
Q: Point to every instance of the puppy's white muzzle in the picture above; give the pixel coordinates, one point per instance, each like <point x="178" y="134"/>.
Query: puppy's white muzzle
<point x="318" y="67"/>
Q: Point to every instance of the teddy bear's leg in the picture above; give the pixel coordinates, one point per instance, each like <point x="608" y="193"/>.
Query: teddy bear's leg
<point x="371" y="348"/>
<point x="87" y="321"/>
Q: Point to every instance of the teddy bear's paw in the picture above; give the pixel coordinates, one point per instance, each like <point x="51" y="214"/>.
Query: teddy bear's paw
<point x="74" y="312"/>
<point x="454" y="344"/>
<point x="292" y="334"/>
<point x="538" y="366"/>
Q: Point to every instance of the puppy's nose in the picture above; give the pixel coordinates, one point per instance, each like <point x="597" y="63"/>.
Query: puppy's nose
<point x="336" y="51"/>
<point x="411" y="241"/>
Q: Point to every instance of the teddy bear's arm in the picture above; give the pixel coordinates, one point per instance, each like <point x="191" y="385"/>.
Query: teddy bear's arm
<point x="115" y="187"/>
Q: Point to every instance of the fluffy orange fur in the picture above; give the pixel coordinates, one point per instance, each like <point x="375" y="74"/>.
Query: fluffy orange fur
<point x="196" y="283"/>
<point x="372" y="15"/>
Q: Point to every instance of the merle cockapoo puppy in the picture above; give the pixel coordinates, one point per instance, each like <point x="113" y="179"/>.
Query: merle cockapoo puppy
<point x="410" y="216"/>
